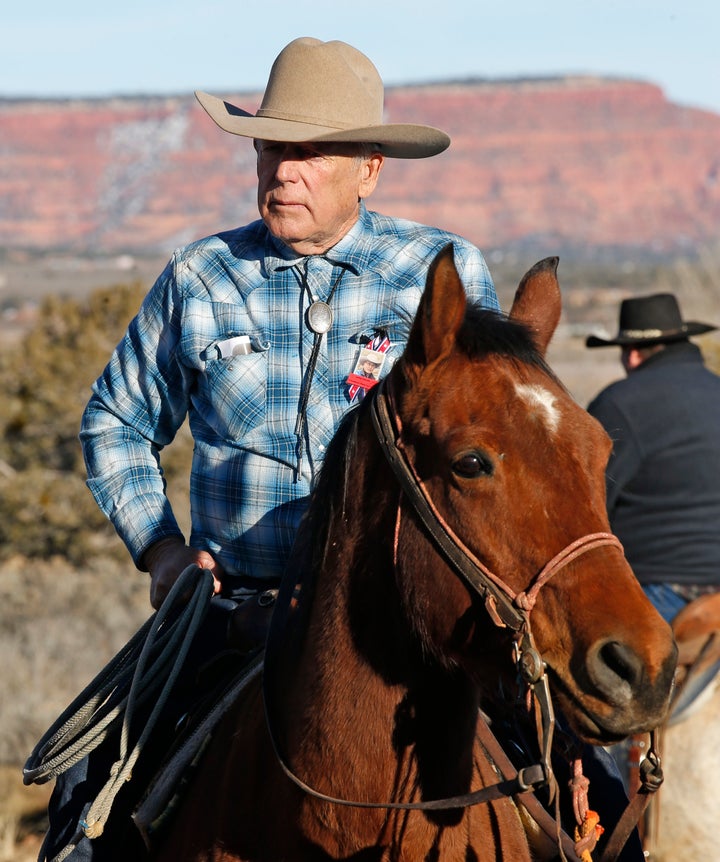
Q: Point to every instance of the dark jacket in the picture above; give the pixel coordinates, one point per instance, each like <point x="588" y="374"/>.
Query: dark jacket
<point x="663" y="479"/>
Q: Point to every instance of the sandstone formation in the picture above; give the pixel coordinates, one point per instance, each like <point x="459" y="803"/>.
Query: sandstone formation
<point x="563" y="164"/>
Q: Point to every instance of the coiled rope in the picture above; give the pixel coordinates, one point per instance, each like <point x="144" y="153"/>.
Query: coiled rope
<point x="150" y="661"/>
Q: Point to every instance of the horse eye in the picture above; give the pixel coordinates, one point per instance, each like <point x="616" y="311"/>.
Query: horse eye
<point x="473" y="464"/>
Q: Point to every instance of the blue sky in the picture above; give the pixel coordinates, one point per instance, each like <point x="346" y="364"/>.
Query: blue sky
<point x="83" y="48"/>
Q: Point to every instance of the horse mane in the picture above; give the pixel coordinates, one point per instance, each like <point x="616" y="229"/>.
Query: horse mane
<point x="486" y="332"/>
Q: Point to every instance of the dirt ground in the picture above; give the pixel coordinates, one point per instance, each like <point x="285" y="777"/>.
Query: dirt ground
<point x="25" y="280"/>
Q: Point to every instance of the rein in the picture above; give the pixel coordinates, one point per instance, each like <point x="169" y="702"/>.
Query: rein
<point x="523" y="781"/>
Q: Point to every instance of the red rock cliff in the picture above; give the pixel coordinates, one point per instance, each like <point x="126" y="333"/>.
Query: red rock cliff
<point x="578" y="162"/>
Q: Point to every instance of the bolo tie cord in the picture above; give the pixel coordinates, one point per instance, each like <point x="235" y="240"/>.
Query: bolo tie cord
<point x="301" y="422"/>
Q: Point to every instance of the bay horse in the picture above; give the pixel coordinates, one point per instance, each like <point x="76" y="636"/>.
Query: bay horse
<point x="457" y="540"/>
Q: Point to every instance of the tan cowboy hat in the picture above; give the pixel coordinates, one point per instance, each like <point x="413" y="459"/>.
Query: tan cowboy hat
<point x="648" y="320"/>
<point x="325" y="92"/>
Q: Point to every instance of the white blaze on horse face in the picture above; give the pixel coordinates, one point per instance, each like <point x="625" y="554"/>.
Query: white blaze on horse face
<point x="539" y="398"/>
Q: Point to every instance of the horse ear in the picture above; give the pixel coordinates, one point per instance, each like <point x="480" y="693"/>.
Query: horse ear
<point x="440" y="313"/>
<point x="537" y="302"/>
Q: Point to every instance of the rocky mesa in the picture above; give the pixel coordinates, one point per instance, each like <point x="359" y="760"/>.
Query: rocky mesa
<point x="576" y="163"/>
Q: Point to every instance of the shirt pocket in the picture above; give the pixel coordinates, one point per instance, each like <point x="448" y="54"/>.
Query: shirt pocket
<point x="233" y="393"/>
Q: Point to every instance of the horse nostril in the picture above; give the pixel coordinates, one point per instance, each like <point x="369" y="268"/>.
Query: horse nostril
<point x="616" y="670"/>
<point x="622" y="660"/>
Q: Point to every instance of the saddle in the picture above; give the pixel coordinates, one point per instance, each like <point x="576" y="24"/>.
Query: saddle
<point x="696" y="629"/>
<point x="697" y="633"/>
<point x="180" y="681"/>
<point x="249" y="622"/>
<point x="225" y="679"/>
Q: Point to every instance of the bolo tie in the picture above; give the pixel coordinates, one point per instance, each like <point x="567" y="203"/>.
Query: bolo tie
<point x="319" y="320"/>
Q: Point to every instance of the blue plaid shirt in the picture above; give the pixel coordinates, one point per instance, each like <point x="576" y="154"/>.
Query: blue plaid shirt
<point x="247" y="495"/>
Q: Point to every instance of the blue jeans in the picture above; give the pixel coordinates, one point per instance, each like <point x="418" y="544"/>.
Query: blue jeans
<point x="70" y="802"/>
<point x="666" y="601"/>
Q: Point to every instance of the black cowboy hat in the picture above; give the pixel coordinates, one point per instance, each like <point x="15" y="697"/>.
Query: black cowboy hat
<point x="648" y="320"/>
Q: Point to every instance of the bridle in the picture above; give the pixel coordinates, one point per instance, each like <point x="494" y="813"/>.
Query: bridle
<point x="507" y="608"/>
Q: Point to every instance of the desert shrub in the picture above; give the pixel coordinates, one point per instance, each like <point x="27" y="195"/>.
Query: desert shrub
<point x="46" y="513"/>
<point x="60" y="625"/>
<point x="46" y="383"/>
<point x="45" y="508"/>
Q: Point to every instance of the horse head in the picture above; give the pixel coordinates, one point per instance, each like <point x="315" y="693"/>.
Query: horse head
<point x="514" y="469"/>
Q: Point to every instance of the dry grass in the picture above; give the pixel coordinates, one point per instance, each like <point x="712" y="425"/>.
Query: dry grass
<point x="22" y="816"/>
<point x="59" y="626"/>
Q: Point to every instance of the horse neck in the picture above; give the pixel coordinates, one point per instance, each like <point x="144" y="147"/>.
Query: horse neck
<point x="348" y="610"/>
<point x="351" y="652"/>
